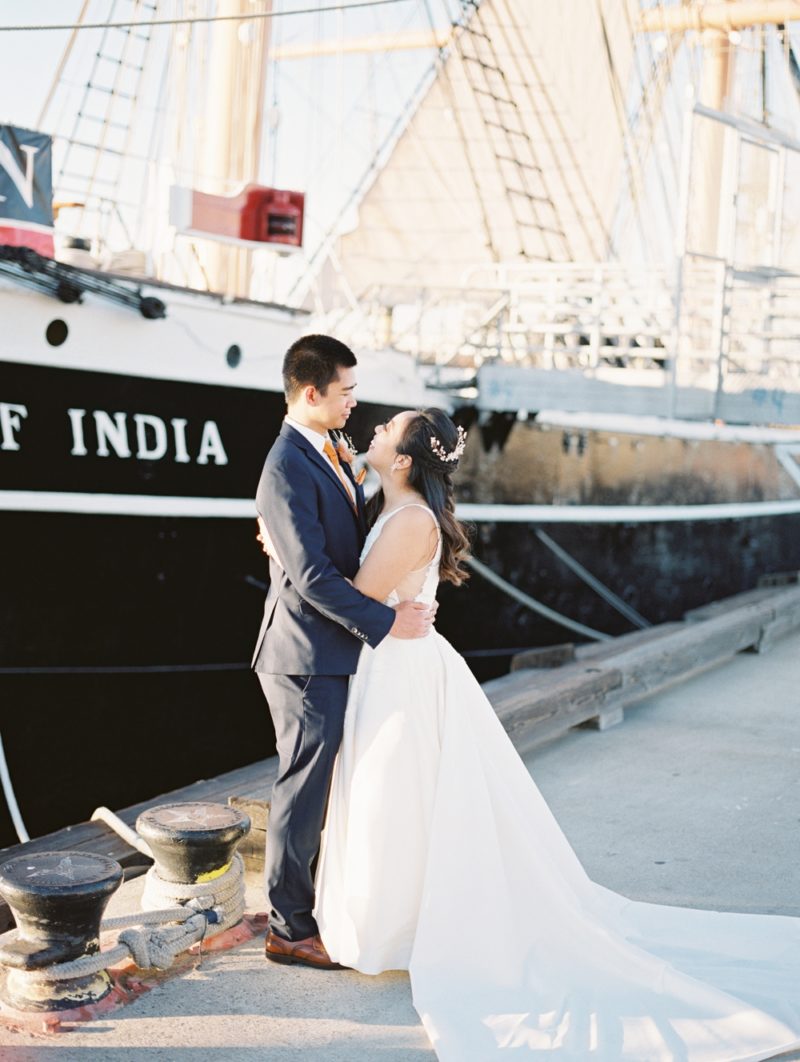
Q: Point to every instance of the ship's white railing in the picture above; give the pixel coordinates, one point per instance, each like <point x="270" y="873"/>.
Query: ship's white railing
<point x="731" y="329"/>
<point x="552" y="316"/>
<point x="737" y="329"/>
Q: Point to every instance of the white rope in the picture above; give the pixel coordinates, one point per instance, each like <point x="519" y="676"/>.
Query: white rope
<point x="533" y="604"/>
<point x="11" y="800"/>
<point x="128" y="835"/>
<point x="187" y="914"/>
<point x="616" y="602"/>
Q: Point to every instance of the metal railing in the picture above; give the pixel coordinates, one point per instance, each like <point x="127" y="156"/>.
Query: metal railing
<point x="732" y="328"/>
<point x="552" y="316"/>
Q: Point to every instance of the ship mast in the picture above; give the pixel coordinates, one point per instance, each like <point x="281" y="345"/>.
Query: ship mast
<point x="724" y="17"/>
<point x="715" y="22"/>
<point x="232" y="135"/>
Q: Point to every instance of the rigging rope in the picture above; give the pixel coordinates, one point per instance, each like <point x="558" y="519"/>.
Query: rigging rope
<point x="628" y="611"/>
<point x="533" y="604"/>
<point x="11" y="799"/>
<point x="249" y="17"/>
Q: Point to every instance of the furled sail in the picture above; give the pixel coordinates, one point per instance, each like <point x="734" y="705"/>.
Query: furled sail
<point x="517" y="152"/>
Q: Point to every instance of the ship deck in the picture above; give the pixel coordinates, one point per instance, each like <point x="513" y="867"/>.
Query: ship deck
<point x="694" y="800"/>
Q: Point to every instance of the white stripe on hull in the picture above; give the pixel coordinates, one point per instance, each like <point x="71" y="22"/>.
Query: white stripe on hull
<point x="244" y="508"/>
<point x="125" y="504"/>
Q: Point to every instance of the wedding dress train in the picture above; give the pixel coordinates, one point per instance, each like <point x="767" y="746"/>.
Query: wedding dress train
<point x="440" y="856"/>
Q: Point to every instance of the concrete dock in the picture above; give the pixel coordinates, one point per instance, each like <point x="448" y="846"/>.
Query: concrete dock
<point x="693" y="800"/>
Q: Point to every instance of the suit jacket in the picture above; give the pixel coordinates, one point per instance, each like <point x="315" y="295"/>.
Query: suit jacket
<point x="315" y="622"/>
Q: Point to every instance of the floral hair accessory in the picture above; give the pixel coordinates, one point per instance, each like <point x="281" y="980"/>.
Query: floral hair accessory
<point x="455" y="453"/>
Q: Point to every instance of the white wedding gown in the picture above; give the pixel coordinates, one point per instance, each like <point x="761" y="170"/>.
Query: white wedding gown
<point x="441" y="857"/>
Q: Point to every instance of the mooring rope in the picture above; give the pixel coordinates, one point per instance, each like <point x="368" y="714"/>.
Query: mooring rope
<point x="11" y="800"/>
<point x="115" y="823"/>
<point x="157" y="937"/>
<point x="608" y="595"/>
<point x="533" y="604"/>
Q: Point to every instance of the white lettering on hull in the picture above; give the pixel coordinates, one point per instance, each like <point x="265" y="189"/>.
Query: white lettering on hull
<point x="10" y="422"/>
<point x="23" y="181"/>
<point x="159" y="429"/>
<point x="76" y="423"/>
<point x="211" y="445"/>
<point x="148" y="437"/>
<point x="152" y="436"/>
<point x="111" y="431"/>
<point x="179" y="432"/>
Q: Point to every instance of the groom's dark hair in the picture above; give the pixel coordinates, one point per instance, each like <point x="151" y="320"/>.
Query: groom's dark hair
<point x="314" y="361"/>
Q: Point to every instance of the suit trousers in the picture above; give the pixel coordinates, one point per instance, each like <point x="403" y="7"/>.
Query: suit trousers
<point x="308" y="714"/>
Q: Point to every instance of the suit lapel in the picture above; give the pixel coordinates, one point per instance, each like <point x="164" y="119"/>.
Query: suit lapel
<point x="358" y="492"/>
<point x="288" y="433"/>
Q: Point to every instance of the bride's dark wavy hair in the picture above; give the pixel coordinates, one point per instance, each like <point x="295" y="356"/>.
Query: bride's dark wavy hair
<point x="432" y="477"/>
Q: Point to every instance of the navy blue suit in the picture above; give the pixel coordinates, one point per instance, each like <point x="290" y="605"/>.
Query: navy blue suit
<point x="315" y="624"/>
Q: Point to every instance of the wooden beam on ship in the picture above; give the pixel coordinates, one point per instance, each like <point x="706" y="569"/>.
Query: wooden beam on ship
<point x="415" y="40"/>
<point x="719" y="16"/>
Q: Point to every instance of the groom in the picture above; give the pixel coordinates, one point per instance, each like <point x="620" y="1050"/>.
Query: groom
<point x="315" y="624"/>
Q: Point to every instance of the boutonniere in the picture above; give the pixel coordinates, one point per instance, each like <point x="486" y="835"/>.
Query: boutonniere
<point x="347" y="453"/>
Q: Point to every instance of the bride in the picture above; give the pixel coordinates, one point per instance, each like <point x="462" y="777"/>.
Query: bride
<point x="441" y="857"/>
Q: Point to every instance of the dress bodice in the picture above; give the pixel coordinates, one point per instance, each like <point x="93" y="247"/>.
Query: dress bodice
<point x="429" y="575"/>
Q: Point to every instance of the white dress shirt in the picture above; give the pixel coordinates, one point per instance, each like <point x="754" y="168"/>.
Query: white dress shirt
<point x="318" y="441"/>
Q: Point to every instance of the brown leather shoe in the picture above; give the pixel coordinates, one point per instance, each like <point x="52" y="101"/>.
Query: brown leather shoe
<point x="308" y="952"/>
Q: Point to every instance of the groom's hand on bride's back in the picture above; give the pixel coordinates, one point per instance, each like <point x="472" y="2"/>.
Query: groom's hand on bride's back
<point x="413" y="619"/>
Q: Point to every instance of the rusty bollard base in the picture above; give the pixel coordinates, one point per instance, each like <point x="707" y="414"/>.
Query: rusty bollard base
<point x="58" y="900"/>
<point x="127" y="983"/>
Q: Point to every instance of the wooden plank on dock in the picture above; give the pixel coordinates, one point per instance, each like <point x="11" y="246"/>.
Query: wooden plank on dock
<point x="537" y="706"/>
<point x="604" y="650"/>
<point x="693" y="647"/>
<point x="543" y="657"/>
<point x="728" y="604"/>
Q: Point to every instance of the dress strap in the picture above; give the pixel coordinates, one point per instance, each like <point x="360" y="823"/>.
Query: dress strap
<point x="411" y="505"/>
<point x="427" y="508"/>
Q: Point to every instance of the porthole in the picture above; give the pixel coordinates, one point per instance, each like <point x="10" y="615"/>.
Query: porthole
<point x="233" y="355"/>
<point x="57" y="332"/>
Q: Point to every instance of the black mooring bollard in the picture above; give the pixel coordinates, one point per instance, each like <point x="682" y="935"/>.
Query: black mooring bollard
<point x="192" y="843"/>
<point x="57" y="899"/>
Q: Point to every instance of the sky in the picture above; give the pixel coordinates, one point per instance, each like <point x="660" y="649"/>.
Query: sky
<point x="326" y="118"/>
<point x="27" y="60"/>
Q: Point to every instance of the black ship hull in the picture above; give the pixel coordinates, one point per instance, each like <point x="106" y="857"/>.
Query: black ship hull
<point x="133" y="584"/>
<point x="125" y="667"/>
